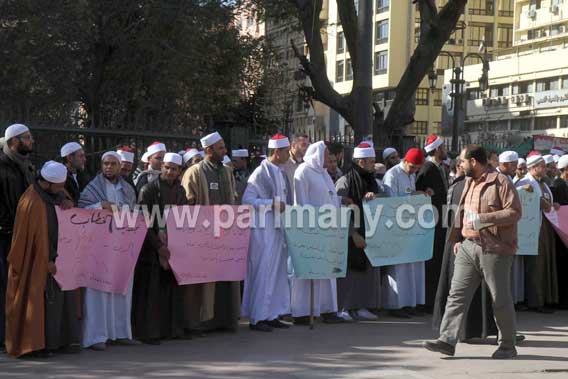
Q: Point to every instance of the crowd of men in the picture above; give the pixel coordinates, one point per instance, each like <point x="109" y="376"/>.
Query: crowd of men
<point x="40" y="319"/>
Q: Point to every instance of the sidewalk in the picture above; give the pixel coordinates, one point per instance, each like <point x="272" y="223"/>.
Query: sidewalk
<point x="386" y="349"/>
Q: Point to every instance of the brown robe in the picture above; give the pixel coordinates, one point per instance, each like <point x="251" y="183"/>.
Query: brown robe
<point x="27" y="274"/>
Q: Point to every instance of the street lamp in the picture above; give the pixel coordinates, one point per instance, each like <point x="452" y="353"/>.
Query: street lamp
<point x="458" y="84"/>
<point x="432" y="79"/>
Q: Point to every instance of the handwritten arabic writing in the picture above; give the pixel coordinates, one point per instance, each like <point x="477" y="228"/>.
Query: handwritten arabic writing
<point x="93" y="253"/>
<point x="198" y="256"/>
<point x="528" y="228"/>
<point x="395" y="243"/>
<point x="316" y="253"/>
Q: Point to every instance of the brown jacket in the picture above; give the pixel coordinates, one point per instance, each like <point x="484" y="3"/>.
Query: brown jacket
<point x="27" y="274"/>
<point x="500" y="205"/>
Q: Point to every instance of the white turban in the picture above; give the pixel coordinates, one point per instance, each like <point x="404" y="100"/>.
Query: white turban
<point x="173" y="158"/>
<point x="54" y="172"/>
<point x="15" y="130"/>
<point x="70" y="148"/>
<point x="112" y="154"/>
<point x="211" y="139"/>
<point x="508" y="156"/>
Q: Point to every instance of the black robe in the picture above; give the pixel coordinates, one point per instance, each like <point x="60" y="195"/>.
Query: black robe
<point x="430" y="176"/>
<point x="473" y="321"/>
<point x="157" y="300"/>
<point x="559" y="190"/>
<point x="62" y="327"/>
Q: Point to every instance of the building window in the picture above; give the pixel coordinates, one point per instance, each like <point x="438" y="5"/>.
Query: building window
<point x="505" y="36"/>
<point x="422" y="96"/>
<point x="480" y="32"/>
<point x="348" y="70"/>
<point x="521" y="124"/>
<point x="496" y="91"/>
<point x="549" y="84"/>
<point x="506" y="9"/>
<point x="473" y="94"/>
<point x="481" y="7"/>
<point x="565" y="82"/>
<point x="382" y="6"/>
<point x="522" y="87"/>
<point x="339" y="71"/>
<point x="436" y="128"/>
<point x="419" y="128"/>
<point x="437" y="96"/>
<point x="564" y="121"/>
<point x="381" y="32"/>
<point x="444" y="61"/>
<point x="543" y="123"/>
<point x="340" y="43"/>
<point x="498" y="125"/>
<point x="456" y="38"/>
<point x="381" y="62"/>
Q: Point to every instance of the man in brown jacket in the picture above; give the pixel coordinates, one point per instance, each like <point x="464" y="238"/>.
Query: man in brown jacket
<point x="485" y="236"/>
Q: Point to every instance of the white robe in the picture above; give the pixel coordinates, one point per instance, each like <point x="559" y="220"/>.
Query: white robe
<point x="313" y="186"/>
<point x="266" y="292"/>
<point x="405" y="284"/>
<point x="106" y="316"/>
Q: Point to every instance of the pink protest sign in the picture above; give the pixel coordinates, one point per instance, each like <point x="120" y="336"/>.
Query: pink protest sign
<point x="559" y="220"/>
<point x="200" y="255"/>
<point x="94" y="253"/>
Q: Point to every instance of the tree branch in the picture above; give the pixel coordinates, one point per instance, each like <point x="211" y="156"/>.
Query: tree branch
<point x="438" y="29"/>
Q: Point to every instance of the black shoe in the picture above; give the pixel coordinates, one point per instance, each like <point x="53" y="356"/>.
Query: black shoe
<point x="70" y="349"/>
<point x="304" y="320"/>
<point x="261" y="326"/>
<point x="151" y="341"/>
<point x="426" y="309"/>
<point x="440" y="347"/>
<point x="278" y="324"/>
<point x="414" y="312"/>
<point x="399" y="313"/>
<point x="504" y="353"/>
<point x="332" y="318"/>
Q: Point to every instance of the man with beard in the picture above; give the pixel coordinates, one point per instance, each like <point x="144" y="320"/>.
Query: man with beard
<point x="157" y="308"/>
<point x="211" y="183"/>
<point x="241" y="171"/>
<point x="521" y="170"/>
<point x="493" y="159"/>
<point x="359" y="291"/>
<point x="190" y="158"/>
<point x="126" y="164"/>
<point x="106" y="315"/>
<point x="40" y="317"/>
<point x="550" y="169"/>
<point x="16" y="174"/>
<point x="485" y="243"/>
<point x="559" y="190"/>
<point x="266" y="293"/>
<point x="432" y="179"/>
<point x="298" y="149"/>
<point x="74" y="159"/>
<point x="390" y="157"/>
<point x="541" y="285"/>
<point x="156" y="152"/>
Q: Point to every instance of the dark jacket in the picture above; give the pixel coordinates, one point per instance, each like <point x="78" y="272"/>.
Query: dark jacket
<point x="559" y="190"/>
<point x="13" y="184"/>
<point x="500" y="205"/>
<point x="73" y="189"/>
<point x="430" y="176"/>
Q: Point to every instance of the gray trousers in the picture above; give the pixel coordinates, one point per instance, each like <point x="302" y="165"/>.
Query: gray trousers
<point x="470" y="266"/>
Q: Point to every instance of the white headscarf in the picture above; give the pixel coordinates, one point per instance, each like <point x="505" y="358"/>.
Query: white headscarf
<point x="315" y="156"/>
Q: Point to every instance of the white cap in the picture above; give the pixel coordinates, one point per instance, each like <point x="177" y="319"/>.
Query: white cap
<point x="432" y="143"/>
<point x="189" y="154"/>
<point x="126" y="156"/>
<point x="548" y="159"/>
<point x="508" y="156"/>
<point x="521" y="161"/>
<point x="173" y="158"/>
<point x="557" y="151"/>
<point x="15" y="130"/>
<point x="278" y="141"/>
<point x="563" y="162"/>
<point x="70" y="148"/>
<point x="241" y="153"/>
<point x="211" y="139"/>
<point x="388" y="152"/>
<point x="54" y="172"/>
<point x="534" y="160"/>
<point x="112" y="154"/>
<point x="226" y="160"/>
<point x="156" y="147"/>
<point x="145" y="157"/>
<point x="364" y="150"/>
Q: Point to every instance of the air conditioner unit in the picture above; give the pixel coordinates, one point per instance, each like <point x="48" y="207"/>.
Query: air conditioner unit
<point x="518" y="99"/>
<point x="554" y="9"/>
<point x="486" y="101"/>
<point x="532" y="13"/>
<point x="527" y="99"/>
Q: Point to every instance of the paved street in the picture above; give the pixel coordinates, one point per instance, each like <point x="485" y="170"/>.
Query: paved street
<point x="387" y="349"/>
